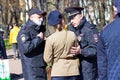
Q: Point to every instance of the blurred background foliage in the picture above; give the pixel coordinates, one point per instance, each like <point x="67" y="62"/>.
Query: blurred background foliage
<point x="98" y="12"/>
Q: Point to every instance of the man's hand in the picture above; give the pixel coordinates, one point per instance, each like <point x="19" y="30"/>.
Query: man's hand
<point x="75" y="50"/>
<point x="41" y="35"/>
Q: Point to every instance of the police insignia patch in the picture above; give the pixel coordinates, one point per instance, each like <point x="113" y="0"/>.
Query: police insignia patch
<point x="79" y="37"/>
<point x="23" y="38"/>
<point x="95" y="37"/>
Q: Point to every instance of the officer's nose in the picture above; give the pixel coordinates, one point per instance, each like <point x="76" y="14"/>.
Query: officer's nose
<point x="71" y="21"/>
<point x="41" y="19"/>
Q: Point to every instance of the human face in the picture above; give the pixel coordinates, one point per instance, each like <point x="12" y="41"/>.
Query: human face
<point x="37" y="19"/>
<point x="115" y="11"/>
<point x="75" y="21"/>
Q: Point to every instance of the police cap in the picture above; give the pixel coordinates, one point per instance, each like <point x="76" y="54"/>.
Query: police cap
<point x="54" y="18"/>
<point x="117" y="5"/>
<point x="73" y="11"/>
<point x="36" y="11"/>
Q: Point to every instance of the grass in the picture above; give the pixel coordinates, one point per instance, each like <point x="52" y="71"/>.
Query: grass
<point x="7" y="45"/>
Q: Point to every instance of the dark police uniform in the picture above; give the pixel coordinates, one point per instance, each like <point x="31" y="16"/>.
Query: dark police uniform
<point x="31" y="50"/>
<point x="3" y="54"/>
<point x="109" y="51"/>
<point x="88" y="38"/>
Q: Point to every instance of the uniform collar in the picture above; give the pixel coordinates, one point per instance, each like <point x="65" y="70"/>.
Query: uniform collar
<point x="33" y="25"/>
<point x="82" y="23"/>
<point x="118" y="15"/>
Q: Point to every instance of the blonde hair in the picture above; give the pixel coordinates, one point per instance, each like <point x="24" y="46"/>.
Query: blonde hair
<point x="59" y="26"/>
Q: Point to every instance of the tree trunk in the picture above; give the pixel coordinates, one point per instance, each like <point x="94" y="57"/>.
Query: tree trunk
<point x="52" y="5"/>
<point x="102" y="14"/>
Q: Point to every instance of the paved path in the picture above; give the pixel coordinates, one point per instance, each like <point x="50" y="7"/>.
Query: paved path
<point x="15" y="67"/>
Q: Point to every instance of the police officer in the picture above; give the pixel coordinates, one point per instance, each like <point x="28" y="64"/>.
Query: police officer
<point x="87" y="35"/>
<point x="3" y="54"/>
<point x="31" y="46"/>
<point x="109" y="49"/>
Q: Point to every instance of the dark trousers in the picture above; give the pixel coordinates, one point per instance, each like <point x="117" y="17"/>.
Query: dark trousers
<point x="15" y="49"/>
<point x="33" y="73"/>
<point x="66" y="78"/>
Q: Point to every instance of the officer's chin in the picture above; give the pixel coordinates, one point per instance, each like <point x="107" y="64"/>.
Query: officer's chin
<point x="75" y="26"/>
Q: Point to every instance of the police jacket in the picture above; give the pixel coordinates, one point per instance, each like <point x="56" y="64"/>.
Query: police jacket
<point x="2" y="48"/>
<point x="30" y="46"/>
<point x="88" y="36"/>
<point x="109" y="52"/>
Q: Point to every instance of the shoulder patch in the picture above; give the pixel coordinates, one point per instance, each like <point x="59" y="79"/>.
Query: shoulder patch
<point x="23" y="37"/>
<point x="95" y="36"/>
<point x="79" y="37"/>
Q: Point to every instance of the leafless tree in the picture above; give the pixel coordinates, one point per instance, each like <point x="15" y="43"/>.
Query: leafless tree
<point x="98" y="12"/>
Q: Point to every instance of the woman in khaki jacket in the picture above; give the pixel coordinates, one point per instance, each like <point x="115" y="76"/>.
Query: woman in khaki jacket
<point x="65" y="65"/>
